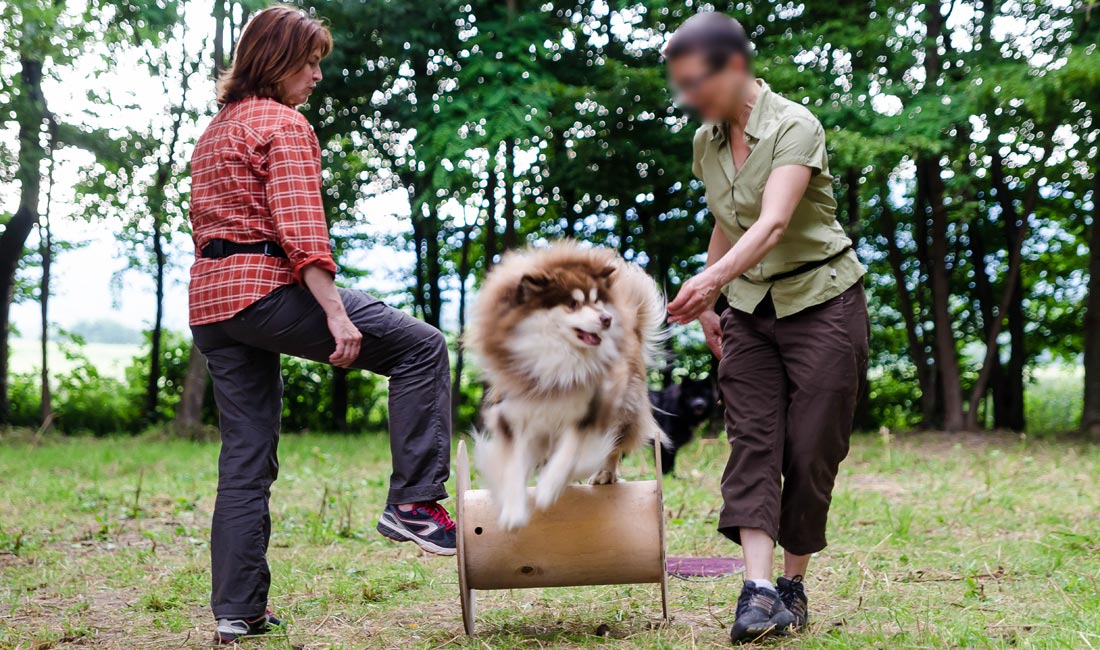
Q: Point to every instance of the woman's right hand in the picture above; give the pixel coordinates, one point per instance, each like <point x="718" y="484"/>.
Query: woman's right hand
<point x="348" y="339"/>
<point x="347" y="336"/>
<point x="712" y="331"/>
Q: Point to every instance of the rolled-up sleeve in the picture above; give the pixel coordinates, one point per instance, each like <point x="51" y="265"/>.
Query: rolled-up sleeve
<point x="801" y="141"/>
<point x="293" y="190"/>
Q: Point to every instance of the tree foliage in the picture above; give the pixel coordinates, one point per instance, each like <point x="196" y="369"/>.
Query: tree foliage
<point x="963" y="138"/>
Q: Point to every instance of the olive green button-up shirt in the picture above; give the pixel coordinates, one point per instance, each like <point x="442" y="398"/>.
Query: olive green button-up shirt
<point x="779" y="132"/>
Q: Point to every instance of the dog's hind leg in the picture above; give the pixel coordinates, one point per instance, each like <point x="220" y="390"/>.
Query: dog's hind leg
<point x="558" y="471"/>
<point x="609" y="473"/>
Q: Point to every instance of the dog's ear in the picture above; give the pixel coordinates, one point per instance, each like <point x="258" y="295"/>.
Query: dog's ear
<point x="529" y="285"/>
<point x="606" y="275"/>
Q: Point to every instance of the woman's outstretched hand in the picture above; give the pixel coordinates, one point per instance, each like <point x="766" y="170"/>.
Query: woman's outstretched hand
<point x="348" y="339"/>
<point x="695" y="297"/>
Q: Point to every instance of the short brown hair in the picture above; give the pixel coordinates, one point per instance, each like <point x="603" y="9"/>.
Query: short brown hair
<point x="275" y="44"/>
<point x="714" y="35"/>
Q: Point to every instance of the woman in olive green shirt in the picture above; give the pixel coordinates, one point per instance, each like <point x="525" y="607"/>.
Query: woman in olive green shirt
<point x="793" y="344"/>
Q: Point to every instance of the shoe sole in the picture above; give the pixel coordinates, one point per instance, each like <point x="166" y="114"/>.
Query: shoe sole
<point x="777" y="625"/>
<point x="394" y="531"/>
<point x="234" y="639"/>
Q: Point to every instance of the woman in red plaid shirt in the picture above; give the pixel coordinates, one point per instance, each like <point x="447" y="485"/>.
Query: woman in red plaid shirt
<point x="263" y="285"/>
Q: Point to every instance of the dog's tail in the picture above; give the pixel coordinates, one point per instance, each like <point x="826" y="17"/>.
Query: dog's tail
<point x="640" y="291"/>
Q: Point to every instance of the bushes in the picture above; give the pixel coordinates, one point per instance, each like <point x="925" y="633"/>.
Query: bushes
<point x="88" y="400"/>
<point x="85" y="400"/>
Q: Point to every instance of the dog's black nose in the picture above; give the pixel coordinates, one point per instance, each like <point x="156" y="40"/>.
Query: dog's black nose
<point x="605" y="320"/>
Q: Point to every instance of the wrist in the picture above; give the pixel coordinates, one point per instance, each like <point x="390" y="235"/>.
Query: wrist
<point x="714" y="281"/>
<point x="334" y="308"/>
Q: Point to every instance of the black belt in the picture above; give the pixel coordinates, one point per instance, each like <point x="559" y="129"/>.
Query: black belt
<point x="809" y="266"/>
<point x="220" y="248"/>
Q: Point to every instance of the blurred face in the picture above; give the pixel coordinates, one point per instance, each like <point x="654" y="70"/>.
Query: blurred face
<point x="714" y="93"/>
<point x="297" y="88"/>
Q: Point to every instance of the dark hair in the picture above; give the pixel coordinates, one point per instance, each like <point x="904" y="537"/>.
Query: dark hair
<point x="715" y="36"/>
<point x="275" y="44"/>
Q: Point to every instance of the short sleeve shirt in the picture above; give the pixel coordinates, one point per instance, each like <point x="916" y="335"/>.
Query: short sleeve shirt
<point x="779" y="133"/>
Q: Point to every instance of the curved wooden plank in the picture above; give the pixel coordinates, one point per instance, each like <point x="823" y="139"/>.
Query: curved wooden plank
<point x="462" y="486"/>
<point x="661" y="529"/>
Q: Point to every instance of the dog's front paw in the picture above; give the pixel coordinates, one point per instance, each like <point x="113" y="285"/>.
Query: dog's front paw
<point x="604" y="477"/>
<point x="546" y="495"/>
<point x="513" y="516"/>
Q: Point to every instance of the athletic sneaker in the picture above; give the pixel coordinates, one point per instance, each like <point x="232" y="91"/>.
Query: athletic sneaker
<point x="793" y="595"/>
<point x="427" y="525"/>
<point x="760" y="613"/>
<point x="233" y="630"/>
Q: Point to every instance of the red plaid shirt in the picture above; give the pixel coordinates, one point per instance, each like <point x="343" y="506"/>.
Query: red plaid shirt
<point x="255" y="177"/>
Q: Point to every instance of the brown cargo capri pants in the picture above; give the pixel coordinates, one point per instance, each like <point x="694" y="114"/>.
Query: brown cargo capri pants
<point x="790" y="387"/>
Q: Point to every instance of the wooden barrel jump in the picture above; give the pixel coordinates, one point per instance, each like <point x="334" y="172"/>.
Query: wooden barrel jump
<point x="593" y="535"/>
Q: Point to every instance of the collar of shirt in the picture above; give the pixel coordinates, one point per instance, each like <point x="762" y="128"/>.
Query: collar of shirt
<point x="720" y="131"/>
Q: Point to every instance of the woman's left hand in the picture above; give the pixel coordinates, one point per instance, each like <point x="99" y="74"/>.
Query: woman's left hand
<point x="696" y="296"/>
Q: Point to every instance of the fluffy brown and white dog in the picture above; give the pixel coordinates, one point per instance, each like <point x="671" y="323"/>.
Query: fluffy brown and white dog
<point x="563" y="335"/>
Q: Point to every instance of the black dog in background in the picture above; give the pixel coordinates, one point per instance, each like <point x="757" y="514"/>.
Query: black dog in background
<point x="679" y="409"/>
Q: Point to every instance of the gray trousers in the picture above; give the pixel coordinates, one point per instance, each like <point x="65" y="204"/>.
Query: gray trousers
<point x="243" y="357"/>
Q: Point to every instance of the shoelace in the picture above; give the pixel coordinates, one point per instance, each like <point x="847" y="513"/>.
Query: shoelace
<point x="438" y="513"/>
<point x="793" y="596"/>
<point x="755" y="598"/>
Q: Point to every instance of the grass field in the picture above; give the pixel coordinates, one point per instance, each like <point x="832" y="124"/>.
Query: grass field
<point x="936" y="542"/>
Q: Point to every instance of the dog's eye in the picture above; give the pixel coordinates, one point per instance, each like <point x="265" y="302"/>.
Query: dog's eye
<point x="573" y="304"/>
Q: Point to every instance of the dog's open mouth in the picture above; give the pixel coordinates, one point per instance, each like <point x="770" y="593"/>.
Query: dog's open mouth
<point x="587" y="337"/>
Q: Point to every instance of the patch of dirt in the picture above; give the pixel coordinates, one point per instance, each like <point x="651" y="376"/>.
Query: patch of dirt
<point x="942" y="443"/>
<point x="877" y="484"/>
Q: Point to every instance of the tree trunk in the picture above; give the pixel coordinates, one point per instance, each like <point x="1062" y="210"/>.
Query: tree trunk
<point x="929" y="168"/>
<point x="433" y="270"/>
<point x="569" y="201"/>
<point x="1015" y="232"/>
<point x="1015" y="222"/>
<point x="983" y="290"/>
<point x="1090" y="416"/>
<point x="510" y="237"/>
<point x="152" y="385"/>
<point x="189" y="413"/>
<point x="219" y="37"/>
<point x="1014" y="382"/>
<point x="188" y="420"/>
<point x="931" y="400"/>
<point x="460" y="349"/>
<point x="420" y="305"/>
<point x="909" y="314"/>
<point x="943" y="334"/>
<point x="491" y="210"/>
<point x="46" y="399"/>
<point x="45" y="247"/>
<point x="157" y="203"/>
<point x="1011" y="285"/>
<point x="31" y="112"/>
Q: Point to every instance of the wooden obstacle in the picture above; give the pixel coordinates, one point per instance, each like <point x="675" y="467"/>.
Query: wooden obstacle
<point x="593" y="535"/>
